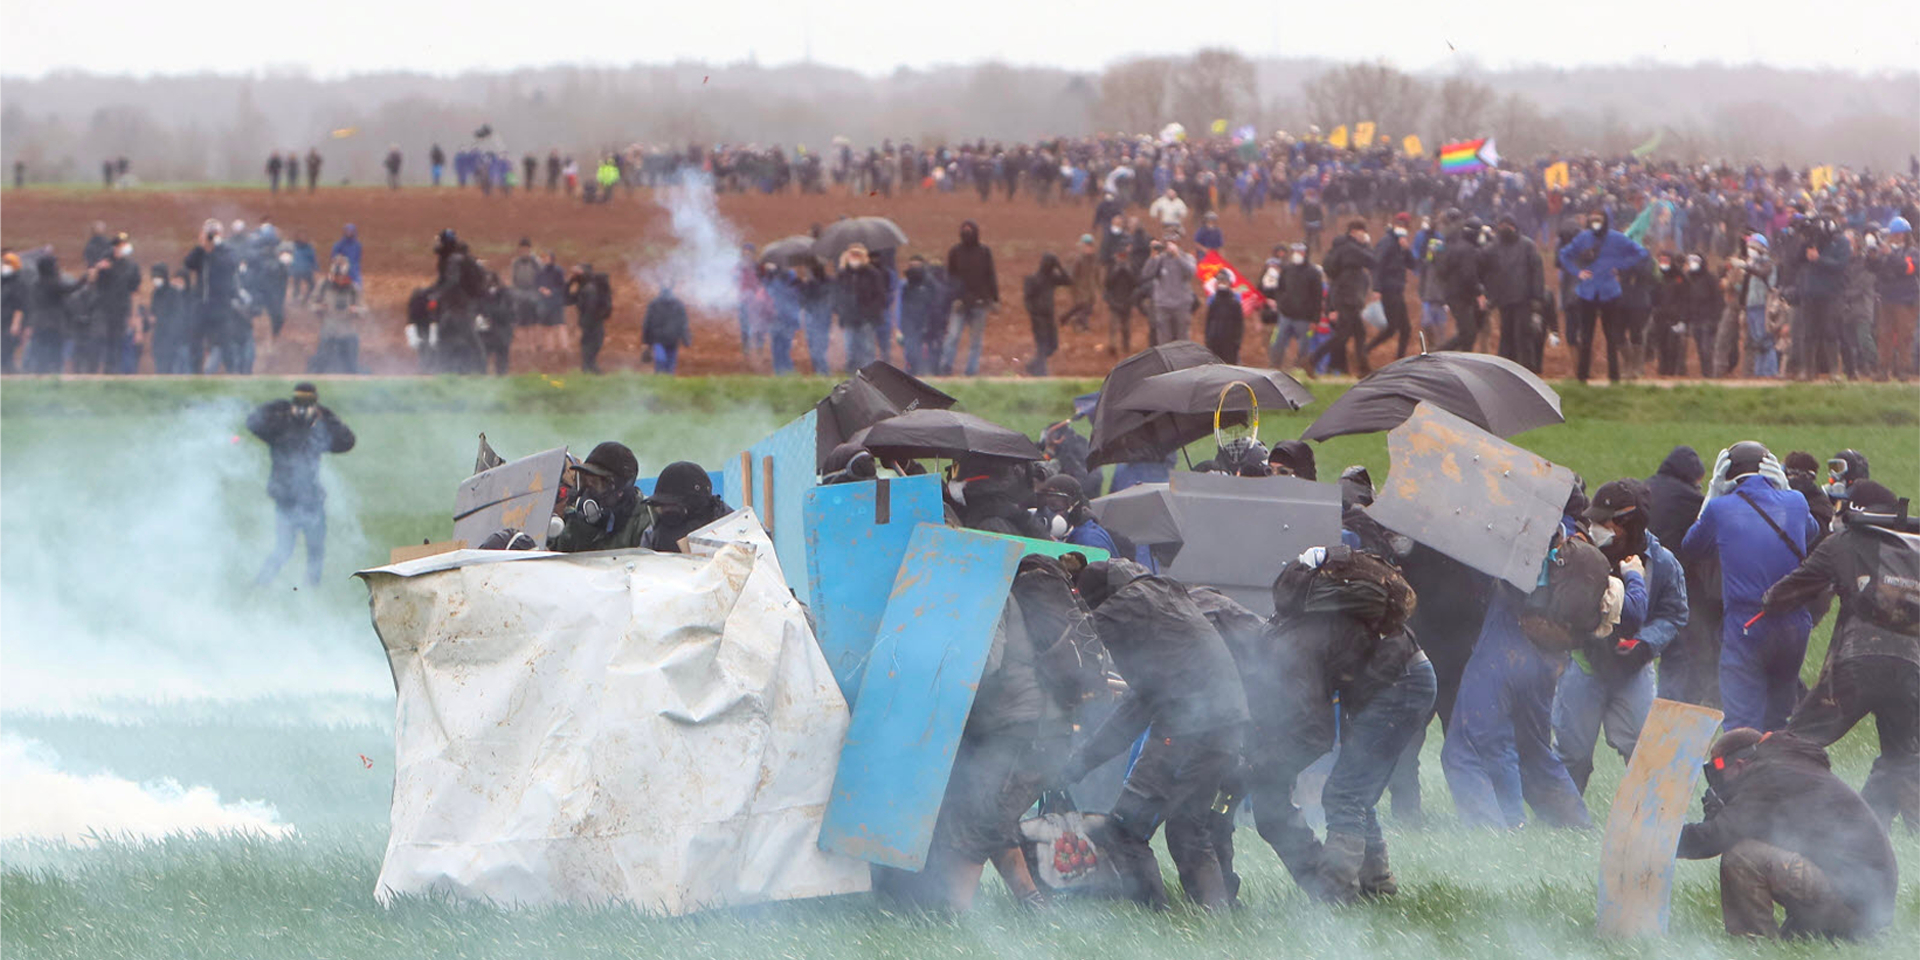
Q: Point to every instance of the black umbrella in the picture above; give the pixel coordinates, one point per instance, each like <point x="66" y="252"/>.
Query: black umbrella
<point x="945" y="434"/>
<point x="875" y="233"/>
<point x="1121" y="435"/>
<point x="1493" y="393"/>
<point x="791" y="251"/>
<point x="1199" y="389"/>
<point x="878" y="391"/>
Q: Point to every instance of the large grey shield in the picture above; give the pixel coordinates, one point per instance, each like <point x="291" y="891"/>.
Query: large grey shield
<point x="517" y="494"/>
<point x="1239" y="531"/>
<point x="1472" y="496"/>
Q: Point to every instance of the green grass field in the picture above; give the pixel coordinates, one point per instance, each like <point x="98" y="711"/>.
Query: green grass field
<point x="133" y="648"/>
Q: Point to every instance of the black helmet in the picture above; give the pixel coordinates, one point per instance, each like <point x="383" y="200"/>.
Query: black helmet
<point x="1855" y="464"/>
<point x="1745" y="457"/>
<point x="614" y="461"/>
<point x="682" y="484"/>
<point x="447" y="241"/>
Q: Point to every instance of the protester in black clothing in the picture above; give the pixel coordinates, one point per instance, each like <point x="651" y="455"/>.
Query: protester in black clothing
<point x="98" y="246"/>
<point x="456" y="298"/>
<point x="1393" y="258"/>
<point x="1872" y="566"/>
<point x="114" y="279"/>
<point x="664" y="329"/>
<point x="1515" y="281"/>
<point x="1226" y="323"/>
<point x="590" y="293"/>
<point x="1349" y="268"/>
<point x="1038" y="296"/>
<point x="1461" y="267"/>
<point x="1119" y="289"/>
<point x="1690" y="666"/>
<point x="13" y="307"/>
<point x="392" y="165"/>
<point x="296" y="433"/>
<point x="1788" y="831"/>
<point x="313" y="170"/>
<point x="46" y="317"/>
<point x="1182" y="686"/>
<point x="682" y="502"/>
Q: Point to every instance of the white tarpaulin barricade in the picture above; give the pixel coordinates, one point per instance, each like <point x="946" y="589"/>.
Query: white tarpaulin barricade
<point x="631" y="726"/>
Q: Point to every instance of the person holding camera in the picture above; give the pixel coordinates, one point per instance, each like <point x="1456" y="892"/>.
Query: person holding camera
<point x="1822" y="284"/>
<point x="296" y="433"/>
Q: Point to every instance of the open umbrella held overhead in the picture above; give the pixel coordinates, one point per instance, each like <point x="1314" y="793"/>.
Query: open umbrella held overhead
<point x="1120" y="434"/>
<point x="874" y="233"/>
<point x="946" y="435"/>
<point x="877" y="391"/>
<point x="794" y="251"/>
<point x="1492" y="393"/>
<point x="1200" y="390"/>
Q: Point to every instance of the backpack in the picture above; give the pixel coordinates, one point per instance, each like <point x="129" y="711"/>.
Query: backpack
<point x="1565" y="609"/>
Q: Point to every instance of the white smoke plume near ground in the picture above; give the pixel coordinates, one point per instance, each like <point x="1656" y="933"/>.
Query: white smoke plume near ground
<point x="38" y="801"/>
<point x="703" y="263"/>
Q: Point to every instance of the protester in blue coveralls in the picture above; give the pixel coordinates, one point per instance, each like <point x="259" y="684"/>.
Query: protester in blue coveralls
<point x="1498" y="751"/>
<point x="1759" y="528"/>
<point x="1611" y="682"/>
<point x="1597" y="256"/>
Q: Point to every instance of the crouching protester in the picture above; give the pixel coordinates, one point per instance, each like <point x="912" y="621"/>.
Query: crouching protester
<point x="1610" y="683"/>
<point x="1338" y="640"/>
<point x="1183" y="690"/>
<point x="1789" y="832"/>
<point x="1045" y="659"/>
<point x="1872" y="565"/>
<point x="600" y="508"/>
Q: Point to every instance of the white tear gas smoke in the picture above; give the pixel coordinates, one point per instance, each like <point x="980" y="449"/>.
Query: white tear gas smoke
<point x="703" y="265"/>
<point x="41" y="802"/>
<point x="127" y="570"/>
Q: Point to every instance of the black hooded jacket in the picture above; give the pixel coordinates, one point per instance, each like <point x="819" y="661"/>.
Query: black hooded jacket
<point x="1324" y="640"/>
<point x="295" y="443"/>
<point x="970" y="267"/>
<point x="1788" y="797"/>
<point x="1349" y="268"/>
<point x="1674" y="495"/>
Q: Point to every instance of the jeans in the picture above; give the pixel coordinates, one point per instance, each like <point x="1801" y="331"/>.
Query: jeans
<point x="1760" y="667"/>
<point x="1585" y="702"/>
<point x="861" y="340"/>
<point x="1766" y="360"/>
<point x="293" y="519"/>
<point x="1167" y="324"/>
<point x="1284" y="333"/>
<point x="819" y="332"/>
<point x="970" y="319"/>
<point x="1370" y="742"/>
<point x="666" y="358"/>
<point x="781" y="339"/>
<point x="1433" y="315"/>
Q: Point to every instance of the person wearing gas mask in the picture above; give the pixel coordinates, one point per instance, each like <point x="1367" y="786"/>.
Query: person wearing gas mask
<point x="1515" y="281"/>
<point x="1758" y="528"/>
<point x="1803" y="478"/>
<point x="1185" y="693"/>
<point x="848" y="463"/>
<point x="1339" y="632"/>
<point x="1596" y="257"/>
<point x="1844" y="469"/>
<point x="1610" y="685"/>
<point x="1789" y="832"/>
<point x="601" y="509"/>
<point x="1871" y="563"/>
<point x="1821" y="288"/>
<point x="1498" y="757"/>
<point x="296" y="433"/>
<point x="995" y="496"/>
<point x="682" y="502"/>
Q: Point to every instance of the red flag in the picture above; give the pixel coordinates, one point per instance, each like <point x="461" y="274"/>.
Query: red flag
<point x="1213" y="266"/>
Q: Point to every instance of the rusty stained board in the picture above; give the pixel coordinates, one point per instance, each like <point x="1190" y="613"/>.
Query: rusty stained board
<point x="915" y="694"/>
<point x="857" y="534"/>
<point x="1649" y="809"/>
<point x="519" y="494"/>
<point x="1472" y="496"/>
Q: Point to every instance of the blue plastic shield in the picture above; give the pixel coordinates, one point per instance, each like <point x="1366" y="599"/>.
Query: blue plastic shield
<point x="915" y="694"/>
<point x="773" y="477"/>
<point x="857" y="534"/>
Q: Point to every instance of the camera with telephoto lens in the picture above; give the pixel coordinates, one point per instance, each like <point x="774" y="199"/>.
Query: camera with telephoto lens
<point x="1816" y="231"/>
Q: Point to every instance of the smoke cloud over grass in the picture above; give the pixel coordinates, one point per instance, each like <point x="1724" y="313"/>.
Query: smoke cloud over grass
<point x="41" y="802"/>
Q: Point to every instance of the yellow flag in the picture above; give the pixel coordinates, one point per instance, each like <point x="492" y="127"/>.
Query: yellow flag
<point x="1413" y="147"/>
<point x="1338" y="138"/>
<point x="1219" y="128"/>
<point x="1557" y="176"/>
<point x="1820" y="178"/>
<point x="1363" y="134"/>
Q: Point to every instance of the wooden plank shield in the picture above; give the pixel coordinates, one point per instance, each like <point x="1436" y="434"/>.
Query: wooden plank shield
<point x="915" y="695"/>
<point x="857" y="534"/>
<point x="1649" y="808"/>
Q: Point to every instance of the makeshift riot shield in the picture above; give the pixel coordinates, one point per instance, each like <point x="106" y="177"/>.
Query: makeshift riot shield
<point x="1050" y="548"/>
<point x="772" y="477"/>
<point x="857" y="534"/>
<point x="926" y="663"/>
<point x="1649" y="808"/>
<point x="1472" y="496"/>
<point x="518" y="494"/>
<point x="1239" y="531"/>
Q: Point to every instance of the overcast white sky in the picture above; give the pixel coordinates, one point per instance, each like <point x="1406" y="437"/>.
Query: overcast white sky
<point x="337" y="37"/>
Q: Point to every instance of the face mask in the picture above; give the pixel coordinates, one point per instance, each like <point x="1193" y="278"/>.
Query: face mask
<point x="286" y="258"/>
<point x="1298" y="258"/>
<point x="1597" y="226"/>
<point x="124" y="250"/>
<point x="957" y="491"/>
<point x="1666" y="267"/>
<point x="159" y="284"/>
<point x="1600" y="535"/>
<point x="1837" y="490"/>
<point x="6" y="271"/>
<point x="1695" y="265"/>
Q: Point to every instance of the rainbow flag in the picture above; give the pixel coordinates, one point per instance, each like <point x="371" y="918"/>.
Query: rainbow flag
<point x="1468" y="156"/>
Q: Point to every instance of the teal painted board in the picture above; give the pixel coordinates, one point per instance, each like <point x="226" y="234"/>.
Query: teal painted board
<point x="1052" y="548"/>
<point x="857" y="534"/>
<point x="794" y="473"/>
<point x="1649" y="808"/>
<point x="914" y="697"/>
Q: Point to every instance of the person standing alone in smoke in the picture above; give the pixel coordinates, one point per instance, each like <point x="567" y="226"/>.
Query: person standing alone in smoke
<point x="296" y="433"/>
